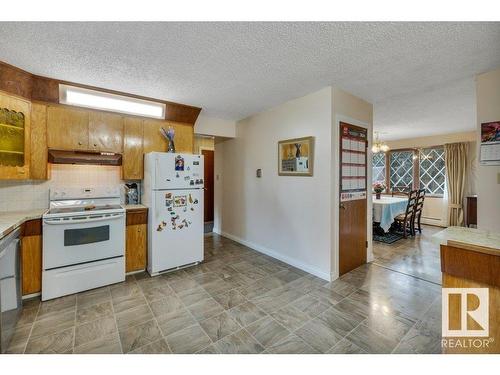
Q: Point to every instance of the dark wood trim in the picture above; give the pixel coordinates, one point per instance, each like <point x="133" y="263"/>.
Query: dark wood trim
<point x="137" y="216"/>
<point x="32" y="228"/>
<point x="15" y="81"/>
<point x="44" y="89"/>
<point x="471" y="265"/>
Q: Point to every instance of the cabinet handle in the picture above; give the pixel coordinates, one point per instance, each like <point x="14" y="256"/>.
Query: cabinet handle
<point x="95" y="145"/>
<point x="79" y="143"/>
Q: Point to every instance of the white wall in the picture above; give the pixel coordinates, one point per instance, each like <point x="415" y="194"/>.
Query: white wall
<point x="215" y="126"/>
<point x="488" y="189"/>
<point x="285" y="217"/>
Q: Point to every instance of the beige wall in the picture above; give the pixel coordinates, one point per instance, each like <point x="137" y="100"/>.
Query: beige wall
<point x="215" y="126"/>
<point x="435" y="208"/>
<point x="286" y="217"/>
<point x="294" y="219"/>
<point x="488" y="189"/>
<point x="435" y="140"/>
<point x="349" y="108"/>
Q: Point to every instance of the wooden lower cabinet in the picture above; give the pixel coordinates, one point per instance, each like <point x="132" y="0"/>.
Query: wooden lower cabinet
<point x="136" y="240"/>
<point x="31" y="257"/>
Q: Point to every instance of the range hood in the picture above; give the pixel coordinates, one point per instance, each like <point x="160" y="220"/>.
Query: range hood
<point x="84" y="157"/>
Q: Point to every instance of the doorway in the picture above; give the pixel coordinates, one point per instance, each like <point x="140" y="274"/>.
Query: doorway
<point x="208" y="214"/>
<point x="353" y="197"/>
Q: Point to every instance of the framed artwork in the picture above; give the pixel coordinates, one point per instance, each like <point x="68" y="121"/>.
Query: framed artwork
<point x="296" y="157"/>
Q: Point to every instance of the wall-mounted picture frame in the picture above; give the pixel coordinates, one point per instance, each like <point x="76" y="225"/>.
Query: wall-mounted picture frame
<point x="296" y="157"/>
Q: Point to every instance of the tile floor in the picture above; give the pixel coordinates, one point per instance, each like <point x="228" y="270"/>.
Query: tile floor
<point x="240" y="301"/>
<point x="415" y="256"/>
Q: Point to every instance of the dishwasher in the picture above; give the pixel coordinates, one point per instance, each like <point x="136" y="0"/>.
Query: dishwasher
<point x="10" y="287"/>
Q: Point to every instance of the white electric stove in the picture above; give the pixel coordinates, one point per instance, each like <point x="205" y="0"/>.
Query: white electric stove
<point x="83" y="240"/>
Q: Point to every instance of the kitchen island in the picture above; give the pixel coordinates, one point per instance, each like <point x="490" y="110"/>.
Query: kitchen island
<point x="470" y="258"/>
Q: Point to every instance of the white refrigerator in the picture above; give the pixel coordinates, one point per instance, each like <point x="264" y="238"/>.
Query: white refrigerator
<point x="173" y="192"/>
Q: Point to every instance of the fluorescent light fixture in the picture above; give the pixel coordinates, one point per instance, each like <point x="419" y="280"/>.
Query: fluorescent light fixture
<point x="81" y="97"/>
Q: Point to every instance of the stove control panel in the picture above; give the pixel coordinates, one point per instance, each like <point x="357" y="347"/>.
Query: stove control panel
<point x="61" y="193"/>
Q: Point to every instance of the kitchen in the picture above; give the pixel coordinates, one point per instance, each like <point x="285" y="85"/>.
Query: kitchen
<point x="75" y="161"/>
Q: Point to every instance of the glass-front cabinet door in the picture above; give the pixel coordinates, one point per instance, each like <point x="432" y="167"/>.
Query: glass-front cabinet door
<point x="14" y="137"/>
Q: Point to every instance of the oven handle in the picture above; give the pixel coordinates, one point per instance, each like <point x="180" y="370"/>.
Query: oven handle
<point x="78" y="221"/>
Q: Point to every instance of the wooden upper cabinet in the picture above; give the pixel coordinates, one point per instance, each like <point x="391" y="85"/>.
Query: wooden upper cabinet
<point x="184" y="137"/>
<point x="15" y="127"/>
<point x="105" y="132"/>
<point x="133" y="131"/>
<point x="67" y="128"/>
<point x="38" y="163"/>
<point x="154" y="141"/>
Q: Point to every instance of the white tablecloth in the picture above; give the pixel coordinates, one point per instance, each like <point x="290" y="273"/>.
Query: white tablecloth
<point x="386" y="209"/>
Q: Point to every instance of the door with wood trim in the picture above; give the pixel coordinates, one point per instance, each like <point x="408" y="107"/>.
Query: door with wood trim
<point x="208" y="162"/>
<point x="353" y="197"/>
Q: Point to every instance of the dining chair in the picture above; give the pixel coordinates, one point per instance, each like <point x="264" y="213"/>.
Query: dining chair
<point x="405" y="221"/>
<point x="419" y="206"/>
<point x="400" y="190"/>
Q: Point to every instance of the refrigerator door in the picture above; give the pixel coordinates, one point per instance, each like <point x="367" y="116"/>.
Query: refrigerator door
<point x="178" y="171"/>
<point x="176" y="229"/>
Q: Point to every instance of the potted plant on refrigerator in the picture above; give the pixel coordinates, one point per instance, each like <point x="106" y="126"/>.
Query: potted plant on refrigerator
<point x="378" y="187"/>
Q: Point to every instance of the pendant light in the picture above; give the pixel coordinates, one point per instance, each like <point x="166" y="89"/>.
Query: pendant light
<point x="379" y="146"/>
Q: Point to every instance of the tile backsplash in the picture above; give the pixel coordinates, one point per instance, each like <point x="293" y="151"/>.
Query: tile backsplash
<point x="25" y="195"/>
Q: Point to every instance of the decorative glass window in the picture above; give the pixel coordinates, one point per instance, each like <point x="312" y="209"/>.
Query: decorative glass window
<point x="432" y="170"/>
<point x="401" y="170"/>
<point x="378" y="164"/>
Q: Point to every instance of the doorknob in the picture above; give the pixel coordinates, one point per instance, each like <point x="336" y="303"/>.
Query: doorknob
<point x="342" y="206"/>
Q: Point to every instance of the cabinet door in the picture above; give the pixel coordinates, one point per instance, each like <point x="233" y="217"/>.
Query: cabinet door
<point x="184" y="137"/>
<point x="105" y="132"/>
<point x="38" y="164"/>
<point x="15" y="120"/>
<point x="135" y="247"/>
<point x="154" y="140"/>
<point x="67" y="128"/>
<point x="133" y="159"/>
<point x="31" y="257"/>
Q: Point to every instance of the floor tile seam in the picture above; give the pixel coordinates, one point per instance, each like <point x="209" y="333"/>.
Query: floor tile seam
<point x="347" y="334"/>
<point x="116" y="322"/>
<point x="32" y="326"/>
<point x="406" y="274"/>
<point x="272" y="318"/>
<point x="155" y="320"/>
<point x="193" y="317"/>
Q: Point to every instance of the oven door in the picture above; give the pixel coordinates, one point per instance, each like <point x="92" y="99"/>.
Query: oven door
<point x="79" y="239"/>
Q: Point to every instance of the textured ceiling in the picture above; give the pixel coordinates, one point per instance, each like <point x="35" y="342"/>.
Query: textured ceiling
<point x="233" y="70"/>
<point x="447" y="109"/>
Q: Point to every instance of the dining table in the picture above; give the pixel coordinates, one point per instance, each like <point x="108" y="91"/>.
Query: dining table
<point x="386" y="209"/>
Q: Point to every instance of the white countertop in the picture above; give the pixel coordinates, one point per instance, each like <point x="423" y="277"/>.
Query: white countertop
<point x="470" y="236"/>
<point x="13" y="219"/>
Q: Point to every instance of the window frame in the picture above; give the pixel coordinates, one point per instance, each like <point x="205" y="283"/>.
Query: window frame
<point x="444" y="188"/>
<point x="416" y="169"/>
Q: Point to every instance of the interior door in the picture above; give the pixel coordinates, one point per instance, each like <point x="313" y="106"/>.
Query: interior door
<point x="209" y="185"/>
<point x="353" y="197"/>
